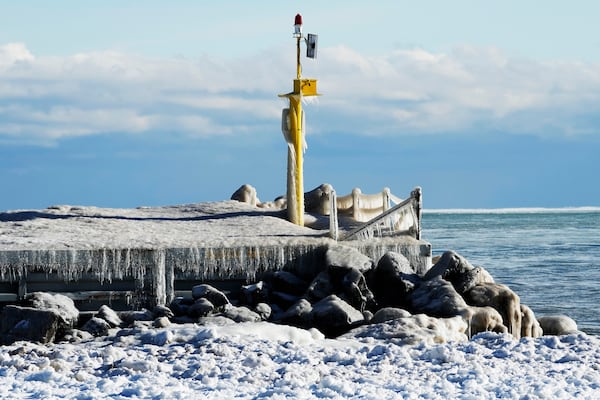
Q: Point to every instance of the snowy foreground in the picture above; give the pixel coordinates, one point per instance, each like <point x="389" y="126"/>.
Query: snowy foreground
<point x="262" y="360"/>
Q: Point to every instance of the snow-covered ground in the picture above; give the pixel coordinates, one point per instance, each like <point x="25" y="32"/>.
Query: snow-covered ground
<point x="262" y="360"/>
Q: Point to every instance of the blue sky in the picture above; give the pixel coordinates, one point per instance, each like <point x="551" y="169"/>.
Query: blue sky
<point x="130" y="103"/>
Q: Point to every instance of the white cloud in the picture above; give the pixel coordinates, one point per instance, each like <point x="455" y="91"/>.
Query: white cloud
<point x="404" y="92"/>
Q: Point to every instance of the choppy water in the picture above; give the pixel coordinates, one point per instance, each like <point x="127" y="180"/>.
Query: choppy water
<point x="550" y="258"/>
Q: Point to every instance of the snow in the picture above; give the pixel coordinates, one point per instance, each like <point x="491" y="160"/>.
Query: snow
<point x="224" y="223"/>
<point x="254" y="360"/>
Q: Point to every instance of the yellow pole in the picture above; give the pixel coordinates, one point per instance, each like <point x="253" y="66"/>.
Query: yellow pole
<point x="295" y="135"/>
<point x="297" y="215"/>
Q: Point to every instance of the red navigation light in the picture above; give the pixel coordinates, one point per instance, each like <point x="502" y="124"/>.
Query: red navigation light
<point x="298" y="26"/>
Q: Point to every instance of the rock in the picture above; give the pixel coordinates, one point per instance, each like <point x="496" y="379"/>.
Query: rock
<point x="215" y="296"/>
<point x="77" y="336"/>
<point x="62" y="305"/>
<point x="163" y="311"/>
<point x="180" y="306"/>
<point x="342" y="257"/>
<point x="317" y="200"/>
<point x="297" y="315"/>
<point x="96" y="326"/>
<point x="246" y="194"/>
<point x="438" y="298"/>
<point x="464" y="281"/>
<point x="319" y="288"/>
<point x="354" y="290"/>
<point x="131" y="317"/>
<point x="486" y="319"/>
<point x="388" y="314"/>
<point x="241" y="314"/>
<point x="284" y="300"/>
<point x="161" y="322"/>
<point x="558" y="325"/>
<point x="394" y="264"/>
<point x="27" y="323"/>
<point x="500" y="297"/>
<point x="109" y="315"/>
<point x="530" y="327"/>
<point x="392" y="280"/>
<point x="333" y="316"/>
<point x="201" y="308"/>
<point x="251" y="295"/>
<point x="449" y="265"/>
<point x="263" y="310"/>
<point x="286" y="282"/>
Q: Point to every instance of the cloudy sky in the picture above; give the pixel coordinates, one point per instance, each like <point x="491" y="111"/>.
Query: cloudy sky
<point x="130" y="103"/>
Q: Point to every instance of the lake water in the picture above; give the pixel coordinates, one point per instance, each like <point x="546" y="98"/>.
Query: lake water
<point x="550" y="258"/>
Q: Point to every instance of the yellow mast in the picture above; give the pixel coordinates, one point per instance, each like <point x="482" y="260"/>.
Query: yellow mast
<point x="293" y="127"/>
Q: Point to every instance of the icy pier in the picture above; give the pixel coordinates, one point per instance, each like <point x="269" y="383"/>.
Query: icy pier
<point x="148" y="255"/>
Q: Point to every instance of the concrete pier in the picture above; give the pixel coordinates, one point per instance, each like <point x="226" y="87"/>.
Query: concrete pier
<point x="132" y="258"/>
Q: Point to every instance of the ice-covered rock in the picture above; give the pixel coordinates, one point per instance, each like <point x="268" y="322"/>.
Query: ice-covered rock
<point x="27" y="323"/>
<point x="201" y="308"/>
<point x="414" y="329"/>
<point x="388" y="314"/>
<point x="334" y="316"/>
<point x="215" y="296"/>
<point x="558" y="325"/>
<point x="438" y="298"/>
<point x="96" y="326"/>
<point x="344" y="257"/>
<point x="109" y="315"/>
<point x="62" y="305"/>
<point x="241" y="314"/>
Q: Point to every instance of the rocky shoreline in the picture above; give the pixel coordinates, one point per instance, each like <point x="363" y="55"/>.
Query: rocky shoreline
<point x="351" y="295"/>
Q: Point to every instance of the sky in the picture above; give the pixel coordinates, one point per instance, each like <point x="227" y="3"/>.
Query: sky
<point x="130" y="103"/>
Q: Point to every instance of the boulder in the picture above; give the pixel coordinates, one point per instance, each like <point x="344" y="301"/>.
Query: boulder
<point x="180" y="306"/>
<point x="392" y="280"/>
<point x="298" y="314"/>
<point x="354" y="290"/>
<point x="319" y="288"/>
<point x="263" y="310"/>
<point x="27" y="323"/>
<point x="162" y="311"/>
<point x="388" y="314"/>
<point x="201" y="308"/>
<point x="438" y="298"/>
<point x="449" y="265"/>
<point x="62" y="305"/>
<point x="464" y="281"/>
<point x="241" y="314"/>
<point x="253" y="294"/>
<point x="286" y="282"/>
<point x="342" y="257"/>
<point x="96" y="326"/>
<point x="333" y="316"/>
<point x="215" y="296"/>
<point x="109" y="315"/>
<point x="246" y="194"/>
<point x="500" y="297"/>
<point x="558" y="325"/>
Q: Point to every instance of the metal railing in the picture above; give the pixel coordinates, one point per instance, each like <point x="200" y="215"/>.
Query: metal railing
<point x="383" y="214"/>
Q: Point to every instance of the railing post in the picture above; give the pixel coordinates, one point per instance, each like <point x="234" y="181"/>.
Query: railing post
<point x="333" y="215"/>
<point x="386" y="198"/>
<point x="356" y="204"/>
<point x="418" y="205"/>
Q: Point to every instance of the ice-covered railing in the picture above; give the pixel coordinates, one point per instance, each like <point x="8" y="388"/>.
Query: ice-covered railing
<point x="383" y="213"/>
